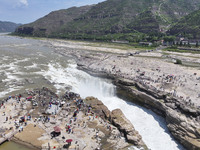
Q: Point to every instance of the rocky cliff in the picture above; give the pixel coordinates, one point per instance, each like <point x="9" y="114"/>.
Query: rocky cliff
<point x="116" y="118"/>
<point x="182" y="119"/>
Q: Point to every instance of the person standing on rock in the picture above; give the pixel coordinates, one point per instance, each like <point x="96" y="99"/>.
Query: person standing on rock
<point x="75" y="119"/>
<point x="97" y="134"/>
<point x="70" y="120"/>
<point x="21" y="128"/>
<point x="69" y="130"/>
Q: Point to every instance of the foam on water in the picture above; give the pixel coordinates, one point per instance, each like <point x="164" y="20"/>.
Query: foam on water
<point x="34" y="65"/>
<point x="9" y="90"/>
<point x="15" y="45"/>
<point x="152" y="127"/>
<point x="9" y="72"/>
<point x="40" y="54"/>
<point x="5" y="58"/>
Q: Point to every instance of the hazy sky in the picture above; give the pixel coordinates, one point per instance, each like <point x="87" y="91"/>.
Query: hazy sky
<point x="26" y="11"/>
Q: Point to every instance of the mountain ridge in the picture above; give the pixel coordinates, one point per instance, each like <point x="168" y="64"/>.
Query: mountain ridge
<point x="111" y="19"/>
<point x="6" y="26"/>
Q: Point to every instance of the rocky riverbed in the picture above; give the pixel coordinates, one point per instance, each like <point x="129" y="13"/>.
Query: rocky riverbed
<point x="169" y="89"/>
<point x="41" y="119"/>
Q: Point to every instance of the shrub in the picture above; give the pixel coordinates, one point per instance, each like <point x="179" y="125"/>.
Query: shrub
<point x="178" y="61"/>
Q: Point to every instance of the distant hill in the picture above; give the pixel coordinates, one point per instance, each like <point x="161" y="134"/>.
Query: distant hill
<point x="8" y="26"/>
<point x="52" y="22"/>
<point x="188" y="26"/>
<point x="110" y="19"/>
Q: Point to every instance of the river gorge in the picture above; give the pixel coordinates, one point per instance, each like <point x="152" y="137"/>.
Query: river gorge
<point x="32" y="63"/>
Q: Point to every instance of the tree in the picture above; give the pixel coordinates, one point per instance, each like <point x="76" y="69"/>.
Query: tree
<point x="188" y="44"/>
<point x="178" y="61"/>
<point x="169" y="38"/>
<point x="181" y="43"/>
<point x="197" y="44"/>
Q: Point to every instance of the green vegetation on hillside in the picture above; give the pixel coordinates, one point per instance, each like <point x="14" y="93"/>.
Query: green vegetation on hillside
<point x="188" y="26"/>
<point x="51" y="22"/>
<point x="129" y="20"/>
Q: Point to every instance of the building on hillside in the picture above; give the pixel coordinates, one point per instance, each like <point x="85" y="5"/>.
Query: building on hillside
<point x="120" y="41"/>
<point x="194" y="41"/>
<point x="167" y="43"/>
<point x="184" y="41"/>
<point x="145" y="43"/>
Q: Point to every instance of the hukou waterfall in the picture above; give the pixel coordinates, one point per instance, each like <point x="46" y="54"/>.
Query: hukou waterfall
<point x="151" y="126"/>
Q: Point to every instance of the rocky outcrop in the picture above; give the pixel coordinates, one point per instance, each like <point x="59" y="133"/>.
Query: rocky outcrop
<point x="98" y="107"/>
<point x="25" y="30"/>
<point x="125" y="126"/>
<point x="185" y="129"/>
<point x="182" y="120"/>
<point x="116" y="118"/>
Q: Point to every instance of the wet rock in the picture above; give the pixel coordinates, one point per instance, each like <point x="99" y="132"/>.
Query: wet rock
<point x="19" y="83"/>
<point x="29" y="81"/>
<point x="68" y="87"/>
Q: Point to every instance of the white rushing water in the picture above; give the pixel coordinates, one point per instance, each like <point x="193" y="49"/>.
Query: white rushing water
<point x="151" y="126"/>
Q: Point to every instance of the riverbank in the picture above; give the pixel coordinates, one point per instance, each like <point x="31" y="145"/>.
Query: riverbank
<point x="167" y="88"/>
<point x="40" y="119"/>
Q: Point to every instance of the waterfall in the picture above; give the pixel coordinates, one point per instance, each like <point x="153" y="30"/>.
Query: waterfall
<point x="151" y="127"/>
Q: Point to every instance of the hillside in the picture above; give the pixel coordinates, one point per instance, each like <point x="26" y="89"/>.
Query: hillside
<point x="8" y="26"/>
<point x="52" y="22"/>
<point x="188" y="26"/>
<point x="111" y="19"/>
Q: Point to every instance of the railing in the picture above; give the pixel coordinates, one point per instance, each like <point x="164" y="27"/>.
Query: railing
<point x="57" y="148"/>
<point x="7" y="137"/>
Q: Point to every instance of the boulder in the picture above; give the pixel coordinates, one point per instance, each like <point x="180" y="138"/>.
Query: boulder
<point x="124" y="125"/>
<point x="98" y="107"/>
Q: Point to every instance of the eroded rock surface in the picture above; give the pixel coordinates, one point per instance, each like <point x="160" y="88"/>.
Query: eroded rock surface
<point x="118" y="119"/>
<point x="125" y="126"/>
